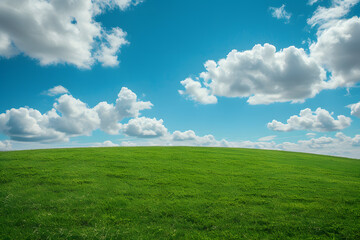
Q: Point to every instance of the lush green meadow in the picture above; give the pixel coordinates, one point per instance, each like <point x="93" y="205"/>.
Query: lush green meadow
<point x="177" y="193"/>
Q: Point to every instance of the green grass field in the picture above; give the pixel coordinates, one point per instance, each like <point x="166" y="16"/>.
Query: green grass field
<point x="177" y="193"/>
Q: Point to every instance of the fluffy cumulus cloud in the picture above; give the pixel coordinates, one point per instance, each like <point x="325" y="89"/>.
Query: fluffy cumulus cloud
<point x="127" y="106"/>
<point x="319" y="120"/>
<point x="197" y="92"/>
<point x="338" y="49"/>
<point x="190" y="138"/>
<point x="262" y="74"/>
<point x="57" y="90"/>
<point x="5" y="145"/>
<point x="355" y="109"/>
<point x="183" y="136"/>
<point x="73" y="117"/>
<point x="27" y="124"/>
<point x="280" y="13"/>
<point x="145" y="128"/>
<point x="70" y="117"/>
<point x="60" y="31"/>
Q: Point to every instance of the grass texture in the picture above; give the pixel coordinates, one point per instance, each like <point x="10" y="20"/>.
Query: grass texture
<point x="177" y="193"/>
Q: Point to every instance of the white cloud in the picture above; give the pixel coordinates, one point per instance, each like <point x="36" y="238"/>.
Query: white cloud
<point x="6" y="47"/>
<point x="319" y="121"/>
<point x="70" y="117"/>
<point x="196" y="92"/>
<point x="312" y="2"/>
<point x="60" y="31"/>
<point x="107" y="54"/>
<point x="280" y="13"/>
<point x="340" y="145"/>
<point x="107" y="143"/>
<point x="201" y="141"/>
<point x="318" y="142"/>
<point x="145" y="128"/>
<point x="355" y="141"/>
<point x="127" y="106"/>
<point x="57" y="90"/>
<point x="27" y="124"/>
<point x="325" y="17"/>
<point x="122" y="4"/>
<point x="263" y="75"/>
<point x="75" y="117"/>
<point x="178" y="138"/>
<point x="311" y="135"/>
<point x="267" y="138"/>
<point x="183" y="136"/>
<point x="355" y="109"/>
<point x="5" y="145"/>
<point x="338" y="50"/>
<point x="190" y="138"/>
<point x="109" y="118"/>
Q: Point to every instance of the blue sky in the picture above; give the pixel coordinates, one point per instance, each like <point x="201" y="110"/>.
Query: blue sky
<point x="168" y="42"/>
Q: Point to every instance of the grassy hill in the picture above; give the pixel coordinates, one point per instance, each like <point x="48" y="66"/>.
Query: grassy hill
<point x="177" y="193"/>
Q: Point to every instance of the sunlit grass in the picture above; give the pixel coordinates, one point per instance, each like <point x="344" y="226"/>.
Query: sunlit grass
<point x="177" y="193"/>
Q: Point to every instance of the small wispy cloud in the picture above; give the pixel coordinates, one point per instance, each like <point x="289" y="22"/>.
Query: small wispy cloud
<point x="311" y="135"/>
<point x="327" y="17"/>
<point x="280" y="13"/>
<point x="312" y="2"/>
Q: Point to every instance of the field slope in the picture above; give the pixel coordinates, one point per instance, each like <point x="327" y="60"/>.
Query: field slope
<point x="177" y="193"/>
